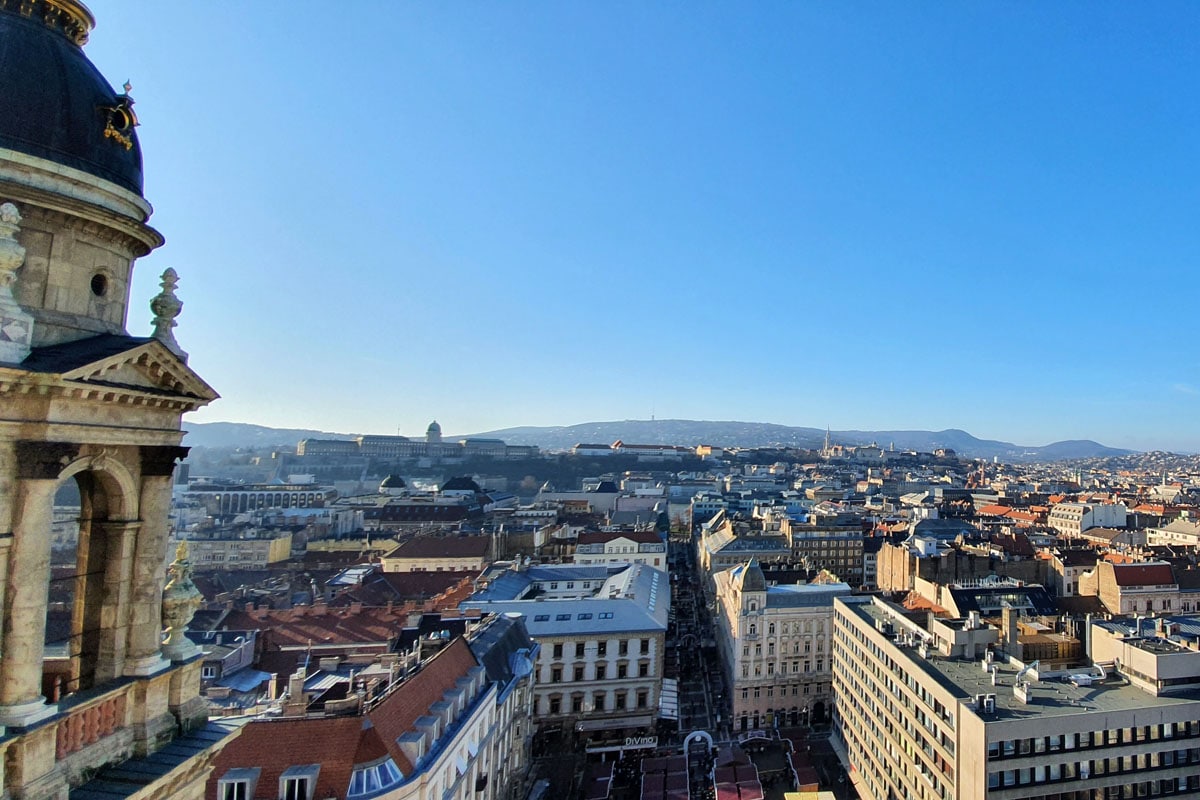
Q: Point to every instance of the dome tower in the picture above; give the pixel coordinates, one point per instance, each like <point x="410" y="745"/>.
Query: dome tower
<point x="85" y="404"/>
<point x="71" y="165"/>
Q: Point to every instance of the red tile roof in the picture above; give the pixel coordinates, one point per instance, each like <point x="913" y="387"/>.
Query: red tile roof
<point x="640" y="537"/>
<point x="443" y="547"/>
<point x="993" y="511"/>
<point x="1143" y="574"/>
<point x="339" y="743"/>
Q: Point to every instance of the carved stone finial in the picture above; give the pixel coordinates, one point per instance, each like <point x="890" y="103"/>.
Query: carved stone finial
<point x="16" y="326"/>
<point x="166" y="307"/>
<point x="180" y="601"/>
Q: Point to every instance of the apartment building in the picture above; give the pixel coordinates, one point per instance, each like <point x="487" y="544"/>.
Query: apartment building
<point x="775" y="645"/>
<point x="429" y="553"/>
<point x="634" y="547"/>
<point x="933" y="712"/>
<point x="1071" y="519"/>
<point x="234" y="552"/>
<point x="451" y="725"/>
<point x="601" y="632"/>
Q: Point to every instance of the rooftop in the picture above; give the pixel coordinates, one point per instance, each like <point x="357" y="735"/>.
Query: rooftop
<point x="966" y="679"/>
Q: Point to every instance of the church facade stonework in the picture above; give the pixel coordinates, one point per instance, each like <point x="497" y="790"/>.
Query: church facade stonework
<point x="83" y="402"/>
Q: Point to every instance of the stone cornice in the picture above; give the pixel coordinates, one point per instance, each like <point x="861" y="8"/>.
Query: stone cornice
<point x="18" y="382"/>
<point x="29" y="179"/>
<point x="37" y="217"/>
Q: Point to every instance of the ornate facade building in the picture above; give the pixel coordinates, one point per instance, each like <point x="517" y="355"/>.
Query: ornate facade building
<point x="775" y="644"/>
<point x="85" y="402"/>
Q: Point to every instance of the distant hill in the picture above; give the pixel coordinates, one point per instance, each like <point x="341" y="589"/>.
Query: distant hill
<point x="241" y="434"/>
<point x="684" y="432"/>
<point x="762" y="434"/>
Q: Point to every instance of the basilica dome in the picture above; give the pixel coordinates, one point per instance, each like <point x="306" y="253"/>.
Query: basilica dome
<point x="57" y="105"/>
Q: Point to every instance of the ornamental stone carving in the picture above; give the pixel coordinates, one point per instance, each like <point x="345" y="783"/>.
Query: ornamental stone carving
<point x="16" y="326"/>
<point x="180" y="601"/>
<point x="166" y="307"/>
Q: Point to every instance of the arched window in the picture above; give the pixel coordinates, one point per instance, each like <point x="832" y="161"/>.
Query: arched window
<point x="753" y="629"/>
<point x="753" y="606"/>
<point x="771" y="629"/>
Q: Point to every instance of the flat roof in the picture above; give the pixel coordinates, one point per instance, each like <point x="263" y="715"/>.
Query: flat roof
<point x="966" y="678"/>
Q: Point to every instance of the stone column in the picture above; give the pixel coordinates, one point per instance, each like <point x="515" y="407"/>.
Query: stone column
<point x="143" y="654"/>
<point x="25" y="601"/>
<point x="117" y="593"/>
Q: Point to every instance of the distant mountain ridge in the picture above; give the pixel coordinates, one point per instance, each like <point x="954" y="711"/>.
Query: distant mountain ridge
<point x="764" y="434"/>
<point x="687" y="433"/>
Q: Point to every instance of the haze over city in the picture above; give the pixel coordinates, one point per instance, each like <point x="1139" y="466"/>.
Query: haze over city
<point x="860" y="216"/>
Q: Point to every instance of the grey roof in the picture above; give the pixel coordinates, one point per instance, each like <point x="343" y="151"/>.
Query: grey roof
<point x="507" y="586"/>
<point x="504" y="649"/>
<point x="749" y="577"/>
<point x="73" y="355"/>
<point x="806" y="595"/>
<point x="573" y="572"/>
<point x="634" y="599"/>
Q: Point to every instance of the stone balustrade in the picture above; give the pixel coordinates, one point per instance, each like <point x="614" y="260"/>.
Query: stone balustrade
<point x="90" y="722"/>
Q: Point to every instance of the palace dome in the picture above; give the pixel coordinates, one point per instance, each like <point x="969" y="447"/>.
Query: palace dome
<point x="57" y="105"/>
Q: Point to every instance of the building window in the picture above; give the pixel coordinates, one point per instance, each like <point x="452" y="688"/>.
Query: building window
<point x="579" y="649"/>
<point x="644" y="669"/>
<point x="622" y="670"/>
<point x="602" y="649"/>
<point x="600" y="672"/>
<point x="623" y="647"/>
<point x="620" y="701"/>
<point x="598" y="701"/>
<point x="298" y="783"/>
<point x="558" y="650"/>
<point x="556" y="675"/>
<point x="578" y="673"/>
<point x="208" y="672"/>
<point x="642" y="697"/>
<point x="576" y="703"/>
<point x="555" y="705"/>
<point x="562" y="617"/>
<point x="237" y="784"/>
<point x="645" y="646"/>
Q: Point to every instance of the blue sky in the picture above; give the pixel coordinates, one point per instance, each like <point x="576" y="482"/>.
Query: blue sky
<point x="873" y="216"/>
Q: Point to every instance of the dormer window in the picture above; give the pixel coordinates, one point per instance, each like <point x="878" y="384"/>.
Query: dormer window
<point x="237" y="784"/>
<point x="372" y="778"/>
<point x="299" y="783"/>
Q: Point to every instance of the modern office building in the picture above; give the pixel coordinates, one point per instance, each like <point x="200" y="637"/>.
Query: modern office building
<point x="934" y="711"/>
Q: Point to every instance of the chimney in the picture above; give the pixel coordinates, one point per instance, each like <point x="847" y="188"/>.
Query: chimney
<point x="1008" y="619"/>
<point x="297" y="702"/>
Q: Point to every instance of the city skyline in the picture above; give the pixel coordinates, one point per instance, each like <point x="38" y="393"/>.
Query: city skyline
<point x="870" y="217"/>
